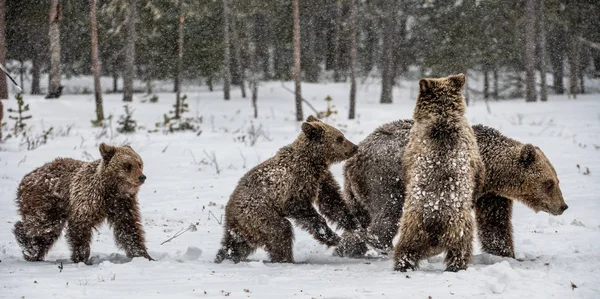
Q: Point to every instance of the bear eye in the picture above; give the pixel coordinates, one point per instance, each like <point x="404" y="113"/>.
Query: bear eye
<point x="340" y="139"/>
<point x="128" y="166"/>
<point x="548" y="186"/>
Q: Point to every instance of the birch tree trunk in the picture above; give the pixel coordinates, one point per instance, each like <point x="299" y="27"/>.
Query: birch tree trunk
<point x="95" y="65"/>
<point x="237" y="45"/>
<point x="179" y="60"/>
<point x="3" y="82"/>
<point x="353" y="54"/>
<point x="54" y="39"/>
<point x="336" y="40"/>
<point x="542" y="51"/>
<point x="227" y="54"/>
<point x="530" y="16"/>
<point x="297" y="70"/>
<point x="129" y="71"/>
<point x="252" y="49"/>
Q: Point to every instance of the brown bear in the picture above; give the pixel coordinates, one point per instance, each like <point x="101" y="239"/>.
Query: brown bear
<point x="286" y="186"/>
<point x="443" y="171"/>
<point x="374" y="187"/>
<point x="81" y="195"/>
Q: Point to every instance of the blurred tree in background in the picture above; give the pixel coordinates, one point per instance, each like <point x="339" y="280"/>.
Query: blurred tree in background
<point x="395" y="39"/>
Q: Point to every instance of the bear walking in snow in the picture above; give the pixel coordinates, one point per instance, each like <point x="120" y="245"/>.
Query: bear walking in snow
<point x="443" y="171"/>
<point x="81" y="195"/>
<point x="374" y="187"/>
<point x="286" y="186"/>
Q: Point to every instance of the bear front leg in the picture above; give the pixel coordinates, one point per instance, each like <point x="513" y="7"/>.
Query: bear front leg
<point x="332" y="205"/>
<point x="79" y="237"/>
<point x="124" y="216"/>
<point x="308" y="219"/>
<point x="493" y="215"/>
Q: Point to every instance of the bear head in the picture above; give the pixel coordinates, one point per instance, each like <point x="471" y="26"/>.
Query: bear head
<point x="440" y="96"/>
<point x="122" y="167"/>
<point x="535" y="181"/>
<point x="327" y="141"/>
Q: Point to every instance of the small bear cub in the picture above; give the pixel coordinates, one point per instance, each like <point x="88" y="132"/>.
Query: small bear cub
<point x="443" y="170"/>
<point x="81" y="195"/>
<point x="286" y="186"/>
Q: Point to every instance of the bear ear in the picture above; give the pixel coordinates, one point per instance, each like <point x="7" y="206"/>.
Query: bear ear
<point x="107" y="152"/>
<point x="312" y="118"/>
<point x="527" y="155"/>
<point x="425" y="85"/>
<point x="312" y="131"/>
<point x="457" y="81"/>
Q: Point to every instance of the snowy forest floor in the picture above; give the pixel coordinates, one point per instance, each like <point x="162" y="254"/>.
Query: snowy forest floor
<point x="557" y="256"/>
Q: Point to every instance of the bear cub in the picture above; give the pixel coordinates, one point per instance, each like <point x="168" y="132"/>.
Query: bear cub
<point x="286" y="186"/>
<point x="443" y="171"/>
<point x="81" y="195"/>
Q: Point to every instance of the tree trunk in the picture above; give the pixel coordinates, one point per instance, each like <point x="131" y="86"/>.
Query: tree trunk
<point x="297" y="71"/>
<point x="179" y="60"/>
<point x="542" y="51"/>
<point x="495" y="92"/>
<point x="353" y="54"/>
<point x="54" y="38"/>
<point x="22" y="70"/>
<point x="336" y="40"/>
<point x="530" y="16"/>
<point x="95" y="65"/>
<point x="3" y="82"/>
<point x="209" y="82"/>
<point x="115" y="77"/>
<point x="238" y="57"/>
<point x="129" y="71"/>
<point x="557" y="61"/>
<point x="227" y="54"/>
<point x="574" y="66"/>
<point x="252" y="50"/>
<point x="35" y="75"/>
<point x="387" y="61"/>
<point x="486" y="84"/>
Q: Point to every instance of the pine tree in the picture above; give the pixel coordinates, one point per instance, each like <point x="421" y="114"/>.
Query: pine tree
<point x="126" y="122"/>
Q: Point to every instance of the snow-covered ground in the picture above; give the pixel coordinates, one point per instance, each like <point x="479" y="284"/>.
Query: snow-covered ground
<point x="557" y="256"/>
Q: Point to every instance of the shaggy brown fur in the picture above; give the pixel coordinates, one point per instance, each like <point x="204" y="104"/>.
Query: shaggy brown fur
<point x="374" y="185"/>
<point x="443" y="171"/>
<point x="286" y="186"/>
<point x="81" y="195"/>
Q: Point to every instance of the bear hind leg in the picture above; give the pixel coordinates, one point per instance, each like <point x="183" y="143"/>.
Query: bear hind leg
<point x="234" y="248"/>
<point x="37" y="237"/>
<point x="280" y="244"/>
<point x="460" y="251"/>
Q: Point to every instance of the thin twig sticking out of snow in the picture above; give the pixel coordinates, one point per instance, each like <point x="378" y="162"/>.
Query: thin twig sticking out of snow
<point x="180" y="232"/>
<point x="213" y="158"/>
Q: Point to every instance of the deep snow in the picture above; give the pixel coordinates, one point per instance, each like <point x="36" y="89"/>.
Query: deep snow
<point x="183" y="188"/>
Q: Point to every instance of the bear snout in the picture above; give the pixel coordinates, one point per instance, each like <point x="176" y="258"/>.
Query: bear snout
<point x="142" y="178"/>
<point x="564" y="207"/>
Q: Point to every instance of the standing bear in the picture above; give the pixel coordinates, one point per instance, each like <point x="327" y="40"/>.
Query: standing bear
<point x="374" y="187"/>
<point x="286" y="186"/>
<point x="81" y="195"/>
<point x="442" y="170"/>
